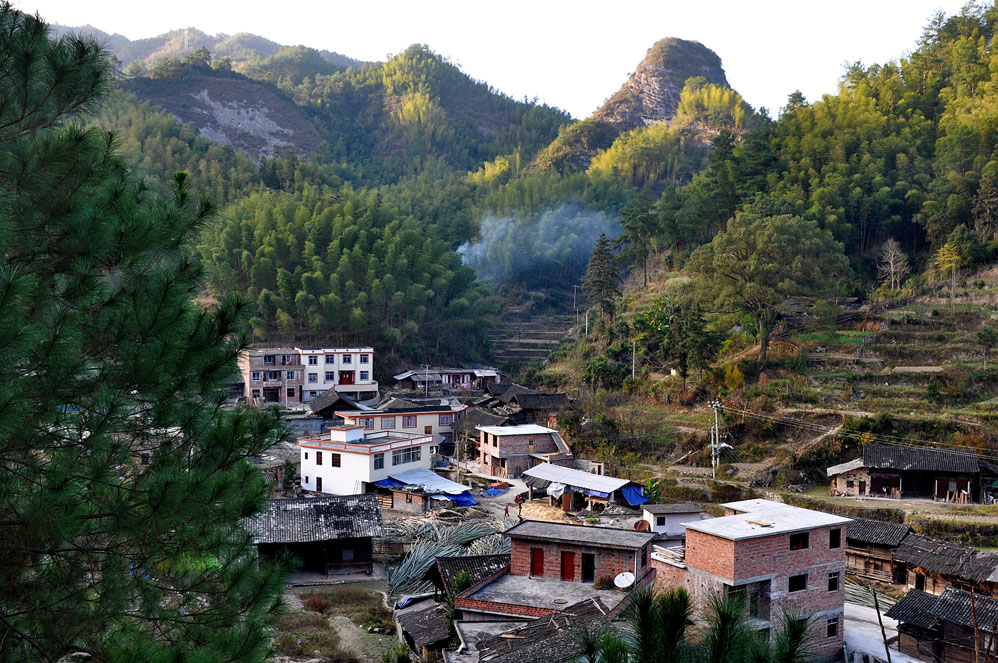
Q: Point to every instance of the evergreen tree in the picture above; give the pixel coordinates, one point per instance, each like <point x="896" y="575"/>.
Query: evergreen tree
<point x="124" y="480"/>
<point x="601" y="280"/>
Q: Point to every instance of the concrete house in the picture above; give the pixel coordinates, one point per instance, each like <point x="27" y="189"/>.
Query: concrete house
<point x="349" y="459"/>
<point x="434" y="417"/>
<point x="272" y="375"/>
<point x="348" y="371"/>
<point x="775" y="555"/>
<point x="667" y="520"/>
<point x="506" y="451"/>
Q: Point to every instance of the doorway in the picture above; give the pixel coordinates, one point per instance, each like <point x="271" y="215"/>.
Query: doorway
<point x="567" y="566"/>
<point x="537" y="562"/>
<point x="588" y="567"/>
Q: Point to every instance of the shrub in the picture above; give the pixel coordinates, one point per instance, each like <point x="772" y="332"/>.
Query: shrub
<point x="603" y="582"/>
<point x="318" y="604"/>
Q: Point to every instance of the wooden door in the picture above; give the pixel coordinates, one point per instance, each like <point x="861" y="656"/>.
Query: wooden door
<point x="588" y="567"/>
<point x="537" y="562"/>
<point x="862" y="488"/>
<point x="567" y="566"/>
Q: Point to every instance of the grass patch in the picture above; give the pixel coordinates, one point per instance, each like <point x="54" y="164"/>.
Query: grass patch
<point x="308" y="635"/>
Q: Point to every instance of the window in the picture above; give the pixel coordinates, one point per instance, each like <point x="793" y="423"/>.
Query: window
<point x="835" y="538"/>
<point x="256" y="393"/>
<point x="330" y="359"/>
<point x="407" y="455"/>
<point x="798" y="583"/>
<point x="408" y="498"/>
<point x="287" y="359"/>
<point x="644" y="557"/>
<point x="255" y="376"/>
<point x="312" y="394"/>
<point x="446" y="419"/>
<point x="290" y="375"/>
<point x="365" y="375"/>
<point x="366" y="422"/>
<point x="269" y="360"/>
<point x="318" y="484"/>
<point x="312" y="360"/>
<point x="850" y="483"/>
<point x="347" y="359"/>
<point x="330" y="376"/>
<point x="273" y="375"/>
<point x="387" y="422"/>
<point x="313" y="377"/>
<point x="318" y="458"/>
<point x="365" y="359"/>
<point x="307" y="479"/>
<point x="660" y="521"/>
<point x="832" y="627"/>
<point x="379" y="461"/>
<point x="291" y="392"/>
<point x="408" y="421"/>
<point x="833" y="581"/>
<point x="306" y="455"/>
<point x="334" y="460"/>
<point x="799" y="541"/>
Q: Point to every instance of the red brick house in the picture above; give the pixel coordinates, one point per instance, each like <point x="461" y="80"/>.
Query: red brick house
<point x="777" y="556"/>
<point x="555" y="564"/>
<point x="507" y="451"/>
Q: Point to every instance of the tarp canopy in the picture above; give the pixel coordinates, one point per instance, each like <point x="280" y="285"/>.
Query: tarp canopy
<point x="388" y="483"/>
<point x="634" y="495"/>
<point x="430" y="481"/>
<point x="556" y="489"/>
<point x="539" y="476"/>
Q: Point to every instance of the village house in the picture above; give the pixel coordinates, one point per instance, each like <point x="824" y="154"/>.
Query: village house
<point x="575" y="489"/>
<point x="667" y="520"/>
<point x="348" y="460"/>
<point x="932" y="565"/>
<point x="870" y="548"/>
<point x="456" y="378"/>
<point x="272" y="375"/>
<point x="779" y="557"/>
<point x="435" y="417"/>
<point x="899" y="471"/>
<point x="955" y="627"/>
<point x="348" y="371"/>
<point x="328" y="535"/>
<point x="292" y="376"/>
<point x="506" y="451"/>
<point x="556" y="564"/>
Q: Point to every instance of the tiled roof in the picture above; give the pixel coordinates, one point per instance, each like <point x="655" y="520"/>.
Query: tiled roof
<point x="877" y="532"/>
<point x="308" y="519"/>
<point x="883" y="456"/>
<point x="980" y="567"/>
<point x="913" y="609"/>
<point x="478" y="567"/>
<point x="426" y="627"/>
<point x="932" y="554"/>
<point x="550" y="639"/>
<point x="542" y="401"/>
<point x="513" y="390"/>
<point x="330" y="398"/>
<point x="476" y="416"/>
<point x="595" y="536"/>
<point x="955" y="606"/>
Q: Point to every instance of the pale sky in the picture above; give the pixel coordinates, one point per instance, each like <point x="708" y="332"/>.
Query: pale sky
<point x="572" y="55"/>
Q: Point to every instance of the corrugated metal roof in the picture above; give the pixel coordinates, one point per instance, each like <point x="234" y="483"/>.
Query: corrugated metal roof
<point x="570" y="477"/>
<point x="913" y="608"/>
<point x="842" y="468"/>
<point x="883" y="456"/>
<point x="309" y="519"/>
<point x="430" y="481"/>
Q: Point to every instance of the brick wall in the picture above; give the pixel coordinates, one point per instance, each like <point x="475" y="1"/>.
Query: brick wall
<point x="609" y="561"/>
<point x="710" y="553"/>
<point x="520" y="444"/>
<point x="668" y="576"/>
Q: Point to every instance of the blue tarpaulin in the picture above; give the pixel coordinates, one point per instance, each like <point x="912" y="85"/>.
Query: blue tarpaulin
<point x="388" y="483"/>
<point x="492" y="492"/>
<point x="633" y="495"/>
<point x="464" y="499"/>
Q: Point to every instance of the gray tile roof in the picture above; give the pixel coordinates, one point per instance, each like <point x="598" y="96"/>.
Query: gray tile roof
<point x="550" y="639"/>
<point x="426" y="627"/>
<point x="593" y="536"/>
<point x="309" y="519"/>
<point x="955" y="606"/>
<point x="883" y="456"/>
<point x="876" y="532"/>
<point x="478" y="567"/>
<point x="913" y="609"/>
<point x="932" y="554"/>
<point x="542" y="401"/>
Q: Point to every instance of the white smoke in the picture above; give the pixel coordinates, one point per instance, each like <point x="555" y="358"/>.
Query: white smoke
<point x="532" y="249"/>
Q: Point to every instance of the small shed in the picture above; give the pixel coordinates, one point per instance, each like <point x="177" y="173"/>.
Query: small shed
<point x="577" y="489"/>
<point x="419" y="490"/>
<point x="425" y="629"/>
<point x="919" y="632"/>
<point x="330" y="534"/>
<point x="478" y="568"/>
<point x="667" y="519"/>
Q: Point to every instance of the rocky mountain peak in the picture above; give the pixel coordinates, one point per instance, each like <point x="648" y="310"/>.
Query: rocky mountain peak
<point x="651" y="94"/>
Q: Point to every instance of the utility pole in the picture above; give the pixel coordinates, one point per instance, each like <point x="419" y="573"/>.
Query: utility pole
<point x="575" y="290"/>
<point x="715" y="437"/>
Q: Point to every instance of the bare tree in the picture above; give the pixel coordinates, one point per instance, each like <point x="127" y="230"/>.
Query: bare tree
<point x="892" y="263"/>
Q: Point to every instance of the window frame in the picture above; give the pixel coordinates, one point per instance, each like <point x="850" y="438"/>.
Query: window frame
<point x="318" y="458"/>
<point x="334" y="460"/>
<point x="832" y="627"/>
<point x="313" y="378"/>
<point x="410" y="421"/>
<point x="313" y="360"/>
<point x="388" y="423"/>
<point x="347" y="359"/>
<point x="379" y="461"/>
<point x="790" y="581"/>
<point x="445" y="419"/>
<point x="835" y="538"/>
<point x="834" y="577"/>
<point x="365" y="359"/>
<point x="800" y="543"/>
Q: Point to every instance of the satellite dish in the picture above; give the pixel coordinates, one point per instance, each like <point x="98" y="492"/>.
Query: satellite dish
<point x="624" y="580"/>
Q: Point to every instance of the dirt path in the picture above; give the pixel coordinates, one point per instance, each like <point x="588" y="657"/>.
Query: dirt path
<point x="354" y="639"/>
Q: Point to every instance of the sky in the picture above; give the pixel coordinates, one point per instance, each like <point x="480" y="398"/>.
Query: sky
<point x="573" y="55"/>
